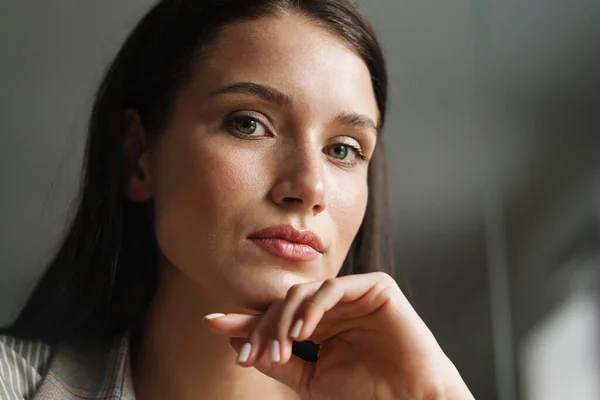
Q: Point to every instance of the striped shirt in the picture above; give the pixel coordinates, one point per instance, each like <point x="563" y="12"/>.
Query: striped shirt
<point x="90" y="371"/>
<point x="22" y="364"/>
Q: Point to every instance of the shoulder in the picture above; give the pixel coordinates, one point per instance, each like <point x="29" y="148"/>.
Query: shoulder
<point x="22" y="365"/>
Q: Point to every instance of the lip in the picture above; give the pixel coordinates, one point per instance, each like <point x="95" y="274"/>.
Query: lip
<point x="288" y="242"/>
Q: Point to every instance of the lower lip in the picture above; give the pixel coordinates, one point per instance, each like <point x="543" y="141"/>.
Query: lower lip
<point x="287" y="250"/>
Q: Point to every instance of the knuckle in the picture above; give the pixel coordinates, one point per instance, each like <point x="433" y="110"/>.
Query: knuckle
<point x="385" y="281"/>
<point x="295" y="291"/>
<point x="384" y="277"/>
<point x="310" y="303"/>
<point x="384" y="293"/>
<point x="434" y="390"/>
<point x="330" y="283"/>
<point x="426" y="387"/>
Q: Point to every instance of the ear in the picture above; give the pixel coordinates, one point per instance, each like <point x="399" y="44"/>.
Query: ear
<point x="137" y="168"/>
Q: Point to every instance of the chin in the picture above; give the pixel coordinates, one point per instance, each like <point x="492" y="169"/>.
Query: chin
<point x="267" y="288"/>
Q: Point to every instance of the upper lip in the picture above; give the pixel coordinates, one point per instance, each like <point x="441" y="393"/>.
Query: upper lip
<point x="290" y="234"/>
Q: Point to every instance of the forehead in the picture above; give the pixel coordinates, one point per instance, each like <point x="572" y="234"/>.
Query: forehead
<point x="296" y="56"/>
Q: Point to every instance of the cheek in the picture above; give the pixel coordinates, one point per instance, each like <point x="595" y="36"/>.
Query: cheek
<point x="202" y="188"/>
<point x="348" y="206"/>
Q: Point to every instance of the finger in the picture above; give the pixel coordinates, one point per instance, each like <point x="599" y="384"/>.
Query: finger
<point x="365" y="292"/>
<point x="347" y="289"/>
<point x="261" y="338"/>
<point x="241" y="326"/>
<point x="296" y="373"/>
<point x="234" y="325"/>
<point x="284" y="330"/>
<point x="380" y="293"/>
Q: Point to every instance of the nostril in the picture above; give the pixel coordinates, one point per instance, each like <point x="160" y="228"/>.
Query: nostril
<point x="318" y="209"/>
<point x="292" y="200"/>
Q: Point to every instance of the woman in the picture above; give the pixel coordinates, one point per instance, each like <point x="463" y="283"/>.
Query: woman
<point x="231" y="206"/>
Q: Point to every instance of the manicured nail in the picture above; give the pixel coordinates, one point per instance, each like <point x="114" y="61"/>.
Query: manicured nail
<point x="244" y="353"/>
<point x="214" y="316"/>
<point x="296" y="329"/>
<point x="275" y="352"/>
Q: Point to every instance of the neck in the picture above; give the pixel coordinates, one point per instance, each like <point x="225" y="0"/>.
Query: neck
<point x="176" y="357"/>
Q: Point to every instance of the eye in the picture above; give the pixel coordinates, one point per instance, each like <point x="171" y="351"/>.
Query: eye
<point x="344" y="152"/>
<point x="246" y="126"/>
<point x="339" y="151"/>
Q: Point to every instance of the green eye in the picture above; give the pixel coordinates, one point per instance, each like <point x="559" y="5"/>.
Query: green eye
<point x="345" y="153"/>
<point x="245" y="125"/>
<point x="339" y="151"/>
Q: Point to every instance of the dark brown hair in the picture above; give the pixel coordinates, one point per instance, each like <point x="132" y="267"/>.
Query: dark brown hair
<point x="104" y="274"/>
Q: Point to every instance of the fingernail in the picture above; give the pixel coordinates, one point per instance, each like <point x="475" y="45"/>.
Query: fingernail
<point x="296" y="329"/>
<point x="214" y="316"/>
<point x="244" y="353"/>
<point x="275" y="352"/>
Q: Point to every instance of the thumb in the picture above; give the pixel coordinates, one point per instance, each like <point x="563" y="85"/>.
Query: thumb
<point x="295" y="373"/>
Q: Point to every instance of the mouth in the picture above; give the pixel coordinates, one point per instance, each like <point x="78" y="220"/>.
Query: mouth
<point x="289" y="243"/>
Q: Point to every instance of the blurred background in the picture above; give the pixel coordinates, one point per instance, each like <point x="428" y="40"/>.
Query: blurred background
<point x="494" y="150"/>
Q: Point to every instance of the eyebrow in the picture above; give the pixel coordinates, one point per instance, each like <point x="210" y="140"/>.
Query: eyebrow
<point x="272" y="95"/>
<point x="267" y="93"/>
<point x="356" y="120"/>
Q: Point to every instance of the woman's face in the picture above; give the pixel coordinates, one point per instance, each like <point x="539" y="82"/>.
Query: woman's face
<point x="273" y="132"/>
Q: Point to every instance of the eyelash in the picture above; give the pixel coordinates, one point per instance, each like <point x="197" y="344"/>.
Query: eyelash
<point x="231" y="119"/>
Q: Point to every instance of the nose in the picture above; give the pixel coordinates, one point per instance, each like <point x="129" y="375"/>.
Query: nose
<point x="300" y="183"/>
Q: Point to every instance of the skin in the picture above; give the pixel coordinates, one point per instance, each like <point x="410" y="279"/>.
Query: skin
<point x="233" y="162"/>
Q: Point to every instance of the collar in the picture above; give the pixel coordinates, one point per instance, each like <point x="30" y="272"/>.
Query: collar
<point x="90" y="371"/>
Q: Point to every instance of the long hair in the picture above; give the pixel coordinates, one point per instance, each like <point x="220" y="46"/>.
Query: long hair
<point x="103" y="276"/>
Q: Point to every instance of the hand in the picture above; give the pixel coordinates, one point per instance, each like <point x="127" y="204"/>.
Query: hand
<point x="373" y="345"/>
